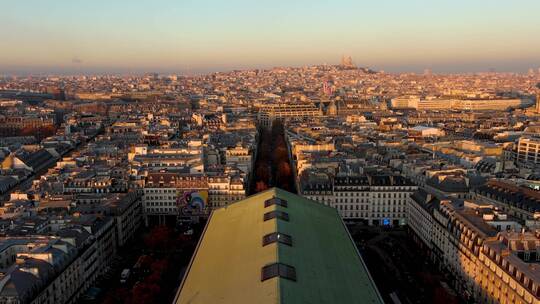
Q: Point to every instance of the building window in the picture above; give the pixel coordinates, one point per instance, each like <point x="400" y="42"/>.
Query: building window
<point x="276" y="214"/>
<point x="278" y="270"/>
<point x="275" y="201"/>
<point x="277" y="237"/>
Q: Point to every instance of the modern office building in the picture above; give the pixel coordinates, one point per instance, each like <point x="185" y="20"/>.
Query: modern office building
<point x="276" y="247"/>
<point x="528" y="151"/>
<point x="284" y="111"/>
<point x="405" y="102"/>
<point x="415" y="102"/>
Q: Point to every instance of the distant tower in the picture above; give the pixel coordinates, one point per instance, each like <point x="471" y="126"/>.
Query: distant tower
<point x="332" y="109"/>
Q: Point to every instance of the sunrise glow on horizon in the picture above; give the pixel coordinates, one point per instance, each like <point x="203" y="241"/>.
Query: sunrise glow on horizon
<point x="204" y="36"/>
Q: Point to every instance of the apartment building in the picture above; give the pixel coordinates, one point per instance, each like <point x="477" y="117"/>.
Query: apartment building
<point x="53" y="269"/>
<point x="224" y="190"/>
<point x="239" y="157"/>
<point x="166" y="194"/>
<point x="374" y="199"/>
<point x="164" y="191"/>
<point x="509" y="270"/>
<point x="518" y="201"/>
<point x="486" y="253"/>
<point x="13" y="125"/>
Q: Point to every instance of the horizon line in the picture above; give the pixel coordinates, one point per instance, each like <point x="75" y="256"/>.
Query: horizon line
<point x="121" y="71"/>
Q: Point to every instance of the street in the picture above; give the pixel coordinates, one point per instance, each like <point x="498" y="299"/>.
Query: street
<point x="398" y="266"/>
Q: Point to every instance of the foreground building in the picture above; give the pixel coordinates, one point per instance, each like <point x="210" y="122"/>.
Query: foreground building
<point x="509" y="269"/>
<point x="487" y="253"/>
<point x="277" y="247"/>
<point x="55" y="269"/>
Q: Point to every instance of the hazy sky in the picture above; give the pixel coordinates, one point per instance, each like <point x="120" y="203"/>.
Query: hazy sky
<point x="203" y="35"/>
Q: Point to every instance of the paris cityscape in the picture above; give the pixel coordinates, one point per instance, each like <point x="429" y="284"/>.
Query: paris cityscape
<point x="300" y="169"/>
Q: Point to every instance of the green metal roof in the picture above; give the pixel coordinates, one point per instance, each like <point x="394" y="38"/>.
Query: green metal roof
<point x="226" y="267"/>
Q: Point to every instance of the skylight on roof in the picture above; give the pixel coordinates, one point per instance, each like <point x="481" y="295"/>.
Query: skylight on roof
<point x="277" y="237"/>
<point x="278" y="270"/>
<point x="276" y="214"/>
<point x="275" y="201"/>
